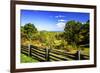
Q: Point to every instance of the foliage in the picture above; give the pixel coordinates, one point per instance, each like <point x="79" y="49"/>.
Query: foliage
<point x="85" y="33"/>
<point x="27" y="32"/>
<point x="76" y="33"/>
<point x="71" y="34"/>
<point x="30" y="29"/>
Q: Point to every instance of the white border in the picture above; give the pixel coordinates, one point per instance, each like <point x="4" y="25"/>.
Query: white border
<point x="53" y="64"/>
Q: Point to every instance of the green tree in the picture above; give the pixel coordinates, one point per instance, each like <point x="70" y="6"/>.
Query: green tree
<point x="85" y="33"/>
<point x="28" y="32"/>
<point x="24" y="36"/>
<point x="30" y="29"/>
<point x="71" y="32"/>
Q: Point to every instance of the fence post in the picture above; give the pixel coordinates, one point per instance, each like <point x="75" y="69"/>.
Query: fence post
<point x="79" y="54"/>
<point x="29" y="47"/>
<point x="47" y="54"/>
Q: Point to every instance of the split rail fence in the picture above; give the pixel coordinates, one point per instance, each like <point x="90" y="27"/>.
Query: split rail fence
<point x="51" y="54"/>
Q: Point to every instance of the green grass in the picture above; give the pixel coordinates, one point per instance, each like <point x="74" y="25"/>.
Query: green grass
<point x="27" y="59"/>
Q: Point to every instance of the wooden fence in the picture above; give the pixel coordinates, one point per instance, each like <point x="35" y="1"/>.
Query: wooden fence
<point x="51" y="54"/>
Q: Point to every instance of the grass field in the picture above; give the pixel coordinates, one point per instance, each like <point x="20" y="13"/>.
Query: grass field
<point x="27" y="59"/>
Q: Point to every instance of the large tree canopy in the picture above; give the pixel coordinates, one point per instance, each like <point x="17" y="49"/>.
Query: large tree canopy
<point x="71" y="31"/>
<point x="76" y="32"/>
<point x="28" y="30"/>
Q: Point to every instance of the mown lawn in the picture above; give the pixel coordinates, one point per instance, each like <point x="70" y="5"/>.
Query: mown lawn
<point x="27" y="59"/>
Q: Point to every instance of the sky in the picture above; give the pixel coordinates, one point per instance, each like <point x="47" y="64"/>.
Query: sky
<point x="51" y="20"/>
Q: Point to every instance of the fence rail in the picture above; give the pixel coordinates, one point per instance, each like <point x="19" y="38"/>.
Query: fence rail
<point x="51" y="54"/>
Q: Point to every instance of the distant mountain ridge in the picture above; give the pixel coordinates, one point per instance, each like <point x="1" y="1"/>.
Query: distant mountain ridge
<point x="50" y="31"/>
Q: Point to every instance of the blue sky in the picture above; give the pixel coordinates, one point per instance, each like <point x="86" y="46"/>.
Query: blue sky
<point x="51" y="20"/>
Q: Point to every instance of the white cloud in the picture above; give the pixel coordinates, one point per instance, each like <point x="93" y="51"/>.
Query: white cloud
<point x="61" y="25"/>
<point x="59" y="16"/>
<point x="61" y="20"/>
